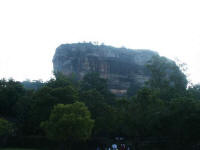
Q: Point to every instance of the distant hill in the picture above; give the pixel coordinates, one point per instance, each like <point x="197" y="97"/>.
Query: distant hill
<point x="32" y="84"/>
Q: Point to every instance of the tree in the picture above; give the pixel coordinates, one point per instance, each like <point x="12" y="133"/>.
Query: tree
<point x="10" y="92"/>
<point x="93" y="100"/>
<point x="133" y="89"/>
<point x="60" y="81"/>
<point x="144" y="113"/>
<point x="194" y="91"/>
<point x="44" y="100"/>
<point x="183" y="119"/>
<point x="69" y="123"/>
<point x="92" y="81"/>
<point x="5" y="127"/>
<point x="5" y="130"/>
<point x="166" y="77"/>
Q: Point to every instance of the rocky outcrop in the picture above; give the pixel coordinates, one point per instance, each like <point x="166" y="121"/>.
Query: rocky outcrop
<point x="120" y="66"/>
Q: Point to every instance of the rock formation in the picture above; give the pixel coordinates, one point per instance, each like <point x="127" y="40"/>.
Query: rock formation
<point x="122" y="67"/>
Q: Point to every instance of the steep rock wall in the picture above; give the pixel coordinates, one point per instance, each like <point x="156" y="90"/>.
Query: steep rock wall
<point x="120" y="66"/>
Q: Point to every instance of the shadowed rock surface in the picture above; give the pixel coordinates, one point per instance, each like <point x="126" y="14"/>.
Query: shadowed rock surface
<point x="120" y="66"/>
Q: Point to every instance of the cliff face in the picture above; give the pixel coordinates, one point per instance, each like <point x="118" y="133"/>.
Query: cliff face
<point x="120" y="66"/>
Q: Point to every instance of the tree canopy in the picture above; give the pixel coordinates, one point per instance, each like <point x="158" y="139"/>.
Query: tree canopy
<point x="69" y="112"/>
<point x="69" y="123"/>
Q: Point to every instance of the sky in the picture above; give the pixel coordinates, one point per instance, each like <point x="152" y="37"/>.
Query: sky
<point x="30" y="31"/>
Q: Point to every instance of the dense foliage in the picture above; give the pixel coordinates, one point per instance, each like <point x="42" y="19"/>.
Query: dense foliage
<point x="163" y="112"/>
<point x="69" y="123"/>
<point x="5" y="127"/>
<point x="5" y="130"/>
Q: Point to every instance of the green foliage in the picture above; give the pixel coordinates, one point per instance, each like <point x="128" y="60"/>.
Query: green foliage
<point x="167" y="78"/>
<point x="165" y="108"/>
<point x="194" y="91"/>
<point x="145" y="110"/>
<point x="101" y="112"/>
<point x="23" y="109"/>
<point x="59" y="81"/>
<point x="93" y="99"/>
<point x="92" y="81"/>
<point x="122" y="118"/>
<point x="105" y="121"/>
<point x="69" y="123"/>
<point x="45" y="98"/>
<point x="183" y="119"/>
<point x="133" y="89"/>
<point x="5" y="127"/>
<point x="10" y="93"/>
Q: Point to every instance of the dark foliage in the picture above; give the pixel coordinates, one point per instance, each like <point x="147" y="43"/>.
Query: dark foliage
<point x="163" y="114"/>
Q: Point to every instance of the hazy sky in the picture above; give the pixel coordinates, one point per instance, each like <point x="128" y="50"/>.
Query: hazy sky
<point x="30" y="31"/>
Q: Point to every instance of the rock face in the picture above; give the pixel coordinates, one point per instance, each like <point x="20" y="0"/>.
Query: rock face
<point x="120" y="66"/>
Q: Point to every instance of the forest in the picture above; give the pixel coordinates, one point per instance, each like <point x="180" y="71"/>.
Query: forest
<point x="64" y="113"/>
